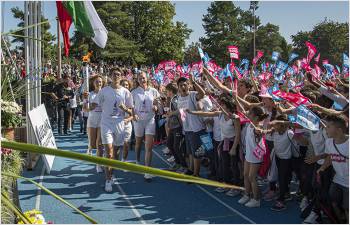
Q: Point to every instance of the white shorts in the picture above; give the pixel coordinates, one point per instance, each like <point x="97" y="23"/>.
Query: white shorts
<point x="113" y="133"/>
<point x="94" y="120"/>
<point x="143" y="127"/>
<point x="127" y="132"/>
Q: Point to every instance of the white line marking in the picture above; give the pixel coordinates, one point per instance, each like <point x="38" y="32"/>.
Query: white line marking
<point x="211" y="195"/>
<point x="134" y="210"/>
<point x="38" y="194"/>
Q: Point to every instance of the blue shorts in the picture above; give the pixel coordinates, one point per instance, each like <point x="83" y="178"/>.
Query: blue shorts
<point x="196" y="141"/>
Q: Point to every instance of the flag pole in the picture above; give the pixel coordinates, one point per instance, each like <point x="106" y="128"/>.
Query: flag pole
<point x="59" y="62"/>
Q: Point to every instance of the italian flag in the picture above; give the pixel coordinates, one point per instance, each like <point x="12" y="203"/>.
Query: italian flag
<point x="85" y="19"/>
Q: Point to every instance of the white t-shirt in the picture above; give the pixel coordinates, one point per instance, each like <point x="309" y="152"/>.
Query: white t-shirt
<point x="73" y="101"/>
<point x="227" y="127"/>
<point x="143" y="101"/>
<point x="190" y="122"/>
<point x="337" y="98"/>
<point x="109" y="99"/>
<point x="207" y="106"/>
<point x="340" y="163"/>
<point x="93" y="99"/>
<point x="196" y="122"/>
<point x="251" y="145"/>
<point x="217" y="129"/>
<point x="318" y="141"/>
<point x="182" y="104"/>
<point x="283" y="144"/>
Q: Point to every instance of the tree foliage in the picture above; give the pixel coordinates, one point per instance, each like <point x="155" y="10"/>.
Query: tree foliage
<point x="47" y="38"/>
<point x="225" y="24"/>
<point x="330" y="38"/>
<point x="138" y="32"/>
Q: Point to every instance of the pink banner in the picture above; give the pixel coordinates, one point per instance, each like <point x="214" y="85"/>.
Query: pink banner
<point x="311" y="51"/>
<point x="233" y="50"/>
<point x="257" y="57"/>
<point x="295" y="99"/>
<point x="317" y="58"/>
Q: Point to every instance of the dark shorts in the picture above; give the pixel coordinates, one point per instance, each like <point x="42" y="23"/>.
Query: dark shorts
<point x="196" y="142"/>
<point x="339" y="194"/>
<point x="188" y="137"/>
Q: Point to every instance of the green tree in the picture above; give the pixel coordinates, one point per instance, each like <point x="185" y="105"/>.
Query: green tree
<point x="223" y="25"/>
<point x="138" y="32"/>
<point x="47" y="38"/>
<point x="330" y="38"/>
<point x="119" y="47"/>
<point x="153" y="28"/>
<point x="191" y="53"/>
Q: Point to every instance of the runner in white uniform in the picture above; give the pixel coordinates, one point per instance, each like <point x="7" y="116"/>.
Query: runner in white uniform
<point x="94" y="118"/>
<point x="114" y="100"/>
<point x="144" y="124"/>
<point x="128" y="125"/>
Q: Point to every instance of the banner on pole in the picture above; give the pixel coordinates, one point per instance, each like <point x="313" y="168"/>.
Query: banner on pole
<point x="233" y="50"/>
<point x="43" y="132"/>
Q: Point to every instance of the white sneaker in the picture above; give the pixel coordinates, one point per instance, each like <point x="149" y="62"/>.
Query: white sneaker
<point x="171" y="159"/>
<point x="303" y="204"/>
<point x="220" y="190"/>
<point x="244" y="199"/>
<point x="148" y="177"/>
<point x="232" y="193"/>
<point x="253" y="203"/>
<point x="166" y="151"/>
<point x="114" y="179"/>
<point x="311" y="219"/>
<point x="99" y="169"/>
<point x="108" y="186"/>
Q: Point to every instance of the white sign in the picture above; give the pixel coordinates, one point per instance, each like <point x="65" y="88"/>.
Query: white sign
<point x="43" y="133"/>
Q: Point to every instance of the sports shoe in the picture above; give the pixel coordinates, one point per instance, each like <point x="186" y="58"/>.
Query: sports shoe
<point x="148" y="177"/>
<point x="253" y="203"/>
<point x="171" y="159"/>
<point x="114" y="179"/>
<point x="108" y="186"/>
<point x="99" y="169"/>
<point x="311" y="219"/>
<point x="181" y="170"/>
<point x="288" y="197"/>
<point x="166" y="151"/>
<point x="89" y="152"/>
<point x="269" y="195"/>
<point x="220" y="190"/>
<point x="175" y="167"/>
<point x="232" y="193"/>
<point x="278" y="206"/>
<point x="244" y="199"/>
<point x="303" y="204"/>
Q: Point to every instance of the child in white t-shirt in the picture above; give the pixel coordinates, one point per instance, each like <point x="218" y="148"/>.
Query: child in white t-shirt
<point x="337" y="150"/>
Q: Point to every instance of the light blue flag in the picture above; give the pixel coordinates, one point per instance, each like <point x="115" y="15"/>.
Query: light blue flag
<point x="275" y="56"/>
<point x="204" y="56"/>
<point x="305" y="118"/>
<point x="292" y="56"/>
<point x="345" y="60"/>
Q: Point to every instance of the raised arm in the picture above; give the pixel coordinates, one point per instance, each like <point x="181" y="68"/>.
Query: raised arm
<point x="204" y="114"/>
<point x="215" y="82"/>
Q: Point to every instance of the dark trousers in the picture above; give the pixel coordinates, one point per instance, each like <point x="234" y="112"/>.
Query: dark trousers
<point x="213" y="159"/>
<point x="321" y="186"/>
<point x="160" y="130"/>
<point x="272" y="184"/>
<point x="85" y="124"/>
<point x="177" y="145"/>
<point x="63" y="113"/>
<point x="284" y="167"/>
<point x="228" y="165"/>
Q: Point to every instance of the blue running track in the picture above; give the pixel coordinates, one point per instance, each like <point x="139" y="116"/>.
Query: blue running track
<point x="133" y="200"/>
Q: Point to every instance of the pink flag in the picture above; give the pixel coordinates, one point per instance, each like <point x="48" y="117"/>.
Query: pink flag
<point x="257" y="57"/>
<point x="317" y="58"/>
<point x="242" y="118"/>
<point x="233" y="50"/>
<point x="311" y="51"/>
<point x="295" y="99"/>
<point x="325" y="61"/>
<point x="212" y="66"/>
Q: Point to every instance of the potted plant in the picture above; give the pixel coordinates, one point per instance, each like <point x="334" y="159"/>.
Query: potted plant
<point x="11" y="117"/>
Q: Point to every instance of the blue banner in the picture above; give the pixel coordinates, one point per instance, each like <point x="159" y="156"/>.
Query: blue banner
<point x="305" y="118"/>
<point x="275" y="56"/>
<point x="292" y="56"/>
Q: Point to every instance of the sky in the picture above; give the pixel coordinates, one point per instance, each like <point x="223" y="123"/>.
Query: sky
<point x="290" y="16"/>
